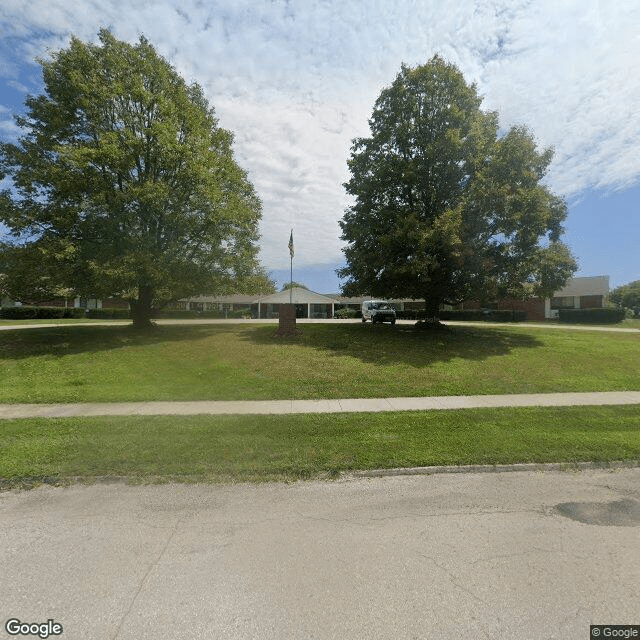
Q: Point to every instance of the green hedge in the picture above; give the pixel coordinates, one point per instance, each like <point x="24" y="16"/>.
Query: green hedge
<point x="346" y="312"/>
<point x="489" y="315"/>
<point x="505" y="315"/>
<point x="591" y="316"/>
<point x="120" y="314"/>
<point x="40" y="313"/>
<point x="183" y="314"/>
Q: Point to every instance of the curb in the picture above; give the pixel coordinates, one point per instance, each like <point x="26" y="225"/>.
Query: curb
<point x="493" y="468"/>
<point x="55" y="481"/>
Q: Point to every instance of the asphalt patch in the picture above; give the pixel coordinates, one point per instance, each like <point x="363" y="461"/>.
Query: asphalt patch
<point x="622" y="513"/>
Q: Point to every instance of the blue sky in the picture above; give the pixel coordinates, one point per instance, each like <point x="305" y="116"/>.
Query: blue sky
<point x="296" y="82"/>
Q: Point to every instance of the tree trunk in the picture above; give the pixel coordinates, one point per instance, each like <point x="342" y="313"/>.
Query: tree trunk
<point x="141" y="308"/>
<point x="432" y="310"/>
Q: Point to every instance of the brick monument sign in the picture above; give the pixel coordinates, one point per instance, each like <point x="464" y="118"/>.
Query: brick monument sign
<point x="287" y="321"/>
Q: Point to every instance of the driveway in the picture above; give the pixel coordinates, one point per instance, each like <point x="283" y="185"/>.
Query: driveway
<point x="493" y="555"/>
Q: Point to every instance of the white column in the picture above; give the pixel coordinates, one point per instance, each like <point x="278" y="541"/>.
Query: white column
<point x="308" y="309"/>
<point x="547" y="307"/>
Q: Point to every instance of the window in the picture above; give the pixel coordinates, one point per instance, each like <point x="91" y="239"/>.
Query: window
<point x="563" y="302"/>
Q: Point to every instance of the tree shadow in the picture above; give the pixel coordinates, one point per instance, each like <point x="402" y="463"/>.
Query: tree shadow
<point x="402" y="344"/>
<point x="65" y="340"/>
<point x="373" y="344"/>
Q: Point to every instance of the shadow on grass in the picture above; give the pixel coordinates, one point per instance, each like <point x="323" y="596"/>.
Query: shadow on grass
<point x="68" y="339"/>
<point x="401" y="344"/>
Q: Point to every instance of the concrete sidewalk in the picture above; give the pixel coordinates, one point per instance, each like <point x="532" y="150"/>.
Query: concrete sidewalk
<point x="346" y="405"/>
<point x="200" y="321"/>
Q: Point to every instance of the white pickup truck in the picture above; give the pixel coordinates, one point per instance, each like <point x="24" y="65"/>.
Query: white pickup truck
<point x="378" y="311"/>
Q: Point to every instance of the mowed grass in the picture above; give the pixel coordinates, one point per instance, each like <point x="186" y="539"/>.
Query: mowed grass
<point x="238" y="362"/>
<point x="255" y="448"/>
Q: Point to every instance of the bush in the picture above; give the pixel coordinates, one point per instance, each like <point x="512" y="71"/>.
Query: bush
<point x="505" y="315"/>
<point x="183" y="314"/>
<point x="173" y="313"/>
<point x="408" y="314"/>
<point x="591" y="316"/>
<point x="346" y="312"/>
<point x="216" y="313"/>
<point x="40" y="313"/>
<point x="488" y="315"/>
<point x="120" y="314"/>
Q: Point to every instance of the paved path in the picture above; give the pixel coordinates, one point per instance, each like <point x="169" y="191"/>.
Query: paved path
<point x="346" y="405"/>
<point x="518" y="556"/>
<point x="567" y="327"/>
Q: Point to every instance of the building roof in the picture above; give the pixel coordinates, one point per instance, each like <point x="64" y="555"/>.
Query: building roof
<point x="588" y="286"/>
<point x="297" y="295"/>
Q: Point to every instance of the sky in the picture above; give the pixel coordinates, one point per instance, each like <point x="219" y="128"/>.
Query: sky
<point x="296" y="80"/>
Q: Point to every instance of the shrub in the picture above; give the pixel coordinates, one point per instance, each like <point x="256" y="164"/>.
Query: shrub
<point x="216" y="313"/>
<point x="40" y="313"/>
<point x="183" y="314"/>
<point x="346" y="312"/>
<point x="488" y="315"/>
<point x="591" y="316"/>
<point x="122" y="314"/>
<point x="407" y="314"/>
<point x="174" y="313"/>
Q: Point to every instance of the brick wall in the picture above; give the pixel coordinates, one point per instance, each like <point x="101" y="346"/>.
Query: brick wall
<point x="591" y="302"/>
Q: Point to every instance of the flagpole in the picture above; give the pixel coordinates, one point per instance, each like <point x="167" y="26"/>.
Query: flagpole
<point x="291" y="275"/>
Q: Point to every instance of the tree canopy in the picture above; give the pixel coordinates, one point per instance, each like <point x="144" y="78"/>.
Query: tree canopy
<point x="125" y="185"/>
<point x="446" y="208"/>
<point x="291" y="285"/>
<point x="627" y="296"/>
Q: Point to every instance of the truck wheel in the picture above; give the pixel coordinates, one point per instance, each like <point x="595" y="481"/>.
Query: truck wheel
<point x="364" y="319"/>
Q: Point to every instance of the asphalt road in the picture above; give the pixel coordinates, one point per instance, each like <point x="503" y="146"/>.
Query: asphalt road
<point x="493" y="555"/>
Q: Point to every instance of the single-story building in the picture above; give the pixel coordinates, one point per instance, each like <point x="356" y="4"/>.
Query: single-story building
<point x="72" y="303"/>
<point x="579" y="293"/>
<point x="308" y="304"/>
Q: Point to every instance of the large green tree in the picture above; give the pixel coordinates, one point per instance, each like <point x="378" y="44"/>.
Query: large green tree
<point x="627" y="296"/>
<point x="446" y="208"/>
<point x="124" y="185"/>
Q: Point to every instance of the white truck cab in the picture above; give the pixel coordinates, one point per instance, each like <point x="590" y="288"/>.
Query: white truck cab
<point x="378" y="311"/>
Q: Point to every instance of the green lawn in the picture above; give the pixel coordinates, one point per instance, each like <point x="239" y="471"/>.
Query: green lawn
<point x="236" y="361"/>
<point x="241" y="448"/>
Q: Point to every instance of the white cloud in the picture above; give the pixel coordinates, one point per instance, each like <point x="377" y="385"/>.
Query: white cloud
<point x="296" y="81"/>
<point x="18" y="86"/>
<point x="8" y="128"/>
